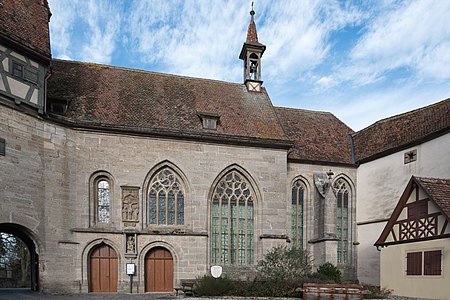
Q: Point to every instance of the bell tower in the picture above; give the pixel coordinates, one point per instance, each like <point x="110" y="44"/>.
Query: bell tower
<point x="251" y="54"/>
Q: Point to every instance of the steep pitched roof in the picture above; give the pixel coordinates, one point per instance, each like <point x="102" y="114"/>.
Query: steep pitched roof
<point x="437" y="190"/>
<point x="252" y="35"/>
<point x="402" y="131"/>
<point x="317" y="136"/>
<point x="168" y="105"/>
<point x="25" y="22"/>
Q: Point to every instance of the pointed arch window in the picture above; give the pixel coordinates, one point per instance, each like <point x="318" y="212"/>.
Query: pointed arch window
<point x="166" y="199"/>
<point x="343" y="195"/>
<point x="232" y="221"/>
<point x="298" y="202"/>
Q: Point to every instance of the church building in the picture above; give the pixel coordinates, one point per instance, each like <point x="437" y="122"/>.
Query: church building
<point x="103" y="167"/>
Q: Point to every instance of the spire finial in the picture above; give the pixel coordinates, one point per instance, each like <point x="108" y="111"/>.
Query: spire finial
<point x="252" y="12"/>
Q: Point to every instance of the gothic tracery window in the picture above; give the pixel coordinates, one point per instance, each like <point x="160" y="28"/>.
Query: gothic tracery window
<point x="298" y="202"/>
<point x="166" y="199"/>
<point x="342" y="193"/>
<point x="232" y="220"/>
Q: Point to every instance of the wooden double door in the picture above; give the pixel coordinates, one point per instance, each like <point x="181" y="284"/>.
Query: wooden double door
<point x="158" y="270"/>
<point x="103" y="269"/>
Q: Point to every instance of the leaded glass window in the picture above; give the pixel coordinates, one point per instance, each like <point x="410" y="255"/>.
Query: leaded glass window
<point x="298" y="200"/>
<point x="166" y="199"/>
<point x="232" y="221"/>
<point x="342" y="193"/>
<point x="103" y="201"/>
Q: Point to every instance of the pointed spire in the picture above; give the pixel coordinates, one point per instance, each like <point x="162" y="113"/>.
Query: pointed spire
<point x="252" y="36"/>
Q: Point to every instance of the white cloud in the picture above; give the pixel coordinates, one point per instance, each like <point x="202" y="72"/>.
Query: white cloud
<point x="61" y="27"/>
<point x="412" y="35"/>
<point x="96" y="21"/>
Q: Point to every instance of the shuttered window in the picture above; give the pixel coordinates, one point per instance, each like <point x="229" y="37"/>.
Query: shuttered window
<point x="424" y="263"/>
<point x="414" y="263"/>
<point x="432" y="262"/>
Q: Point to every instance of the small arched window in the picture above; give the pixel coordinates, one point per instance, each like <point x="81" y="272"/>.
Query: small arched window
<point x="103" y="201"/>
<point x="166" y="199"/>
<point x="101" y="192"/>
<point x="298" y="203"/>
<point x="342" y="191"/>
<point x="232" y="221"/>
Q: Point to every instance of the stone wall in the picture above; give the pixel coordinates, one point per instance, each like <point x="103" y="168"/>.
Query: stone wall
<point x="46" y="175"/>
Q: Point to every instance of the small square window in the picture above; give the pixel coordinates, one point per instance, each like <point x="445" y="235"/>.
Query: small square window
<point x="410" y="156"/>
<point x="17" y="69"/>
<point x="210" y="123"/>
<point x="209" y="120"/>
<point x="31" y="74"/>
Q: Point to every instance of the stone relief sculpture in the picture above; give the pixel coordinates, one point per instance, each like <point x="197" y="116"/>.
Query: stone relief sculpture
<point x="130" y="205"/>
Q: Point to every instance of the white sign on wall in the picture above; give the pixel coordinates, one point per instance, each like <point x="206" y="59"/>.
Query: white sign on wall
<point x="131" y="269"/>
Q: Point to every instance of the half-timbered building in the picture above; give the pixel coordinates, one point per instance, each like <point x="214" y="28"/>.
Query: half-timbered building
<point x="415" y="244"/>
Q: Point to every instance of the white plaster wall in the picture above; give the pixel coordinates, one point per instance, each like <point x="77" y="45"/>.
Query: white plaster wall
<point x="381" y="183"/>
<point x="393" y="276"/>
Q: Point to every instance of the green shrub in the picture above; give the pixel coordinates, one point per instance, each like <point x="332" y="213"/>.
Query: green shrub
<point x="281" y="269"/>
<point x="210" y="286"/>
<point x="284" y="264"/>
<point x="328" y="272"/>
<point x="375" y="292"/>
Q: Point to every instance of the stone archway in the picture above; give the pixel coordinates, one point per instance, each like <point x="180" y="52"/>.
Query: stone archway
<point x="25" y="235"/>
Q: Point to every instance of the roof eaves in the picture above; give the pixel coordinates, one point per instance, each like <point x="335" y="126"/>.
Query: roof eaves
<point x="177" y="134"/>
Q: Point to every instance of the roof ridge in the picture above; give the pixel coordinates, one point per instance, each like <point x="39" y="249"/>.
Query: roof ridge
<point x="401" y="115"/>
<point x="146" y="71"/>
<point x="302" y="109"/>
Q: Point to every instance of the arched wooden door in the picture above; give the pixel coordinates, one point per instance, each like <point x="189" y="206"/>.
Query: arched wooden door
<point x="158" y="271"/>
<point x="103" y="269"/>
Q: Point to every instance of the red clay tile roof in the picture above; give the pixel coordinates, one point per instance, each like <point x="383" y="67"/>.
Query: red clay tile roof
<point x="438" y="190"/>
<point x="107" y="96"/>
<point x="26" y="22"/>
<point x="317" y="136"/>
<point x="402" y="131"/>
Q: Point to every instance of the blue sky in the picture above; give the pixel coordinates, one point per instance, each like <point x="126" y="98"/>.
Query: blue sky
<point x="361" y="60"/>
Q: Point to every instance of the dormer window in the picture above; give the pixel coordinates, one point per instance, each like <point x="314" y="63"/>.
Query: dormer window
<point x="209" y="120"/>
<point x="57" y="106"/>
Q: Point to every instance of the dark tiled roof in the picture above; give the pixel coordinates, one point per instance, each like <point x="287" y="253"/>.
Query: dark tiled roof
<point x="438" y="190"/>
<point x="401" y="131"/>
<point x="26" y="22"/>
<point x="317" y="136"/>
<point x="140" y="100"/>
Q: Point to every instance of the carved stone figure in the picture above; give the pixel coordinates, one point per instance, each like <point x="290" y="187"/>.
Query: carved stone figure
<point x="131" y="244"/>
<point x="130" y="204"/>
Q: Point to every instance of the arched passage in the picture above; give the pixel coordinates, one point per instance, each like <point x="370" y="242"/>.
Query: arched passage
<point x="103" y="269"/>
<point x="158" y="270"/>
<point x="25" y="235"/>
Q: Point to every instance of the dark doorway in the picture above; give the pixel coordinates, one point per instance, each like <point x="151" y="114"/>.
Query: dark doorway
<point x="19" y="262"/>
<point x="158" y="270"/>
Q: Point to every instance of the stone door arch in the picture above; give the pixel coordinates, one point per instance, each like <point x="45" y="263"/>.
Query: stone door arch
<point x="158" y="270"/>
<point x="26" y="236"/>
